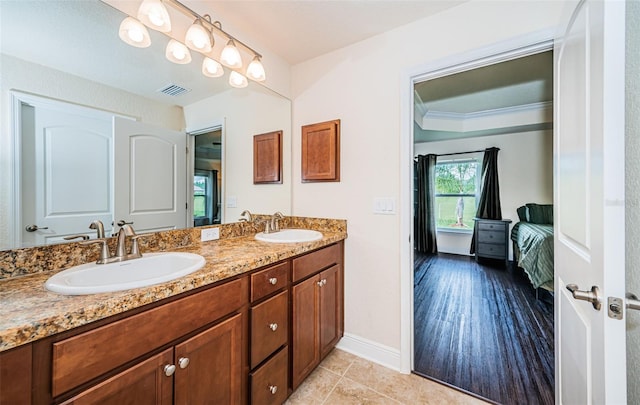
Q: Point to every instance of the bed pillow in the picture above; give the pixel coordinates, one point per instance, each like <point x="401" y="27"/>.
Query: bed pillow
<point x="522" y="213"/>
<point x="540" y="213"/>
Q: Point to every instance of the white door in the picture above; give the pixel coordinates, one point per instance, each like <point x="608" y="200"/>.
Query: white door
<point x="150" y="176"/>
<point x="589" y="203"/>
<point x="66" y="167"/>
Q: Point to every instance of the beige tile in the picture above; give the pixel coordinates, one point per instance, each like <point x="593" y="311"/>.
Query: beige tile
<point x="318" y="385"/>
<point x="338" y="361"/>
<point x="303" y="398"/>
<point x="406" y="388"/>
<point x="349" y="392"/>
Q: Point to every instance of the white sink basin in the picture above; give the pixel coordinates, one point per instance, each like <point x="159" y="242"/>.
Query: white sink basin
<point x="152" y="268"/>
<point x="289" y="236"/>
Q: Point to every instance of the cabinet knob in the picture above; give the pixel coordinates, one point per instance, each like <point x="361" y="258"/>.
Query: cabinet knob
<point x="273" y="389"/>
<point x="322" y="282"/>
<point x="273" y="281"/>
<point x="273" y="326"/>
<point x="169" y="369"/>
<point x="183" y="362"/>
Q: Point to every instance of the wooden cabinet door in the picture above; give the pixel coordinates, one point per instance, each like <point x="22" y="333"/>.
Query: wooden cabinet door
<point x="305" y="322"/>
<point x="321" y="151"/>
<point x="15" y="375"/>
<point x="330" y="307"/>
<point x="144" y="383"/>
<point x="213" y="372"/>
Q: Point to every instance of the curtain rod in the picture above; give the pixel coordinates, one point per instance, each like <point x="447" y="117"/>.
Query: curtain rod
<point x="464" y="153"/>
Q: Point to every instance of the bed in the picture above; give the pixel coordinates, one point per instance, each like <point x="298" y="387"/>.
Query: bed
<point x="532" y="240"/>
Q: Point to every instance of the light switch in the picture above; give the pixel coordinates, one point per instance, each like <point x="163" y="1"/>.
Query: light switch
<point x="384" y="205"/>
<point x="232" y="202"/>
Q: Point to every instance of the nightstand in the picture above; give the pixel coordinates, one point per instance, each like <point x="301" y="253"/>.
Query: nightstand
<point x="492" y="239"/>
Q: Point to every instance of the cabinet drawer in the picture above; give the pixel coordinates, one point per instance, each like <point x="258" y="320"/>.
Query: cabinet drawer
<point x="491" y="237"/>
<point x="269" y="280"/>
<point x="314" y="262"/>
<point x="269" y="383"/>
<point x="86" y="356"/>
<point x="491" y="250"/>
<point x="492" y="226"/>
<point x="269" y="327"/>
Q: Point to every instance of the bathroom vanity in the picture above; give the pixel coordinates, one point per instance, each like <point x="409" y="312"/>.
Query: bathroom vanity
<point x="248" y="328"/>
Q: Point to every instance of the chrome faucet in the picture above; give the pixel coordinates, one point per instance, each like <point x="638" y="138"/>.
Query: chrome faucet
<point x="246" y="216"/>
<point x="99" y="227"/>
<point x="272" y="225"/>
<point x="121" y="250"/>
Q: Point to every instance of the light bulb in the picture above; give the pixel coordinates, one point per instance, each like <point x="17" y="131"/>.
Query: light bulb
<point x="255" y="71"/>
<point x="211" y="68"/>
<point x="154" y="15"/>
<point x="134" y="33"/>
<point x="177" y="52"/>
<point x="237" y="80"/>
<point x="198" y="38"/>
<point x="231" y="56"/>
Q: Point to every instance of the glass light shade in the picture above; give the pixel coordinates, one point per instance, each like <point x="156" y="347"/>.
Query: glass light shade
<point x="134" y="33"/>
<point x="198" y="38"/>
<point x="231" y="56"/>
<point x="177" y="52"/>
<point x="154" y="15"/>
<point x="211" y="68"/>
<point x="237" y="80"/>
<point x="255" y="71"/>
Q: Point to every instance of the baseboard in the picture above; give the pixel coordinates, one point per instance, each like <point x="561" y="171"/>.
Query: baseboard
<point x="369" y="350"/>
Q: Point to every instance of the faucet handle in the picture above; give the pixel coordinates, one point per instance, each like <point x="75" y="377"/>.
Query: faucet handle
<point x="104" y="250"/>
<point x="135" y="251"/>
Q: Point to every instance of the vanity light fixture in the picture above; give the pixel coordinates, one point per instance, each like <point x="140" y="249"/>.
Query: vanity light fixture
<point x="255" y="71"/>
<point x="154" y="14"/>
<point x="177" y="52"/>
<point x="237" y="80"/>
<point x="211" y="68"/>
<point x="134" y="33"/>
<point x="199" y="38"/>
<point x="231" y="56"/>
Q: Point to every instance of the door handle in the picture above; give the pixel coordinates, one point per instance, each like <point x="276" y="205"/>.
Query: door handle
<point x="123" y="222"/>
<point x="632" y="301"/>
<point x="592" y="296"/>
<point x="33" y="228"/>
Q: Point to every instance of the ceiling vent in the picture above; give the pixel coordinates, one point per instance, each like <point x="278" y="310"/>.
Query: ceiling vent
<point x="173" y="90"/>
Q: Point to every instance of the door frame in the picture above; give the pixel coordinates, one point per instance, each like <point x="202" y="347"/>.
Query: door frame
<point x="503" y="51"/>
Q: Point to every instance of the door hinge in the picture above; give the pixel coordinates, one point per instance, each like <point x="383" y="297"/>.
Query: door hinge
<point x="187" y="150"/>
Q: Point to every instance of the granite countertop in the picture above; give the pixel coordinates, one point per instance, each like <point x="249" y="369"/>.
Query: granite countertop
<point x="29" y="312"/>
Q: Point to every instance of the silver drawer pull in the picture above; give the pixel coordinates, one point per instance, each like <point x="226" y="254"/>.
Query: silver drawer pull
<point x="169" y="369"/>
<point x="273" y="281"/>
<point x="273" y="389"/>
<point x="273" y="326"/>
<point x="183" y="362"/>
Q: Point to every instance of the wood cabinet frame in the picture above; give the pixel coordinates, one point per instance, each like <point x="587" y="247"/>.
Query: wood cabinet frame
<point x="321" y="152"/>
<point x="267" y="158"/>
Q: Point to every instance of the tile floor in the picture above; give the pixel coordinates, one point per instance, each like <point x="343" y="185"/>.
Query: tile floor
<point x="345" y="379"/>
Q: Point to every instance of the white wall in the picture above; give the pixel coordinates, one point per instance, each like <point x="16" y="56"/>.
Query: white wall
<point x="361" y="85"/>
<point x="245" y="113"/>
<point x="36" y="79"/>
<point x="525" y="170"/>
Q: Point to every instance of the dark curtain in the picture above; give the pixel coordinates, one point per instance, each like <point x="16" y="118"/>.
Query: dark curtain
<point x="214" y="197"/>
<point x="425" y="218"/>
<point x="489" y="205"/>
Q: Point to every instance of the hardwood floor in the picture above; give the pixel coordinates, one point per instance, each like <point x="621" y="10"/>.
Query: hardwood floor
<point x="480" y="328"/>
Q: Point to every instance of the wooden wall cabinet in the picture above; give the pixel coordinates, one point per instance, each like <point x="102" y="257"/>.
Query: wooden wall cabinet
<point x="267" y="158"/>
<point x="321" y="152"/>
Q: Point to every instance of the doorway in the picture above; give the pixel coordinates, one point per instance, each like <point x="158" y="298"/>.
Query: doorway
<point x="481" y="326"/>
<point x="206" y="176"/>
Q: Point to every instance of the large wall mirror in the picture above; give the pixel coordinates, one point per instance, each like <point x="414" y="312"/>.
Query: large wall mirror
<point x="59" y="53"/>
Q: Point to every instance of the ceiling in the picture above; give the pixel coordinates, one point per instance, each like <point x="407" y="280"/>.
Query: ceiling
<point x="507" y="97"/>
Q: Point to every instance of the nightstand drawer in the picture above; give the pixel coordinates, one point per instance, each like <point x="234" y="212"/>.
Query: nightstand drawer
<point x="492" y="226"/>
<point x="491" y="237"/>
<point x="491" y="250"/>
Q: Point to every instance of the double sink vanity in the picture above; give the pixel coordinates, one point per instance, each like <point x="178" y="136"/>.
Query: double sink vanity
<point x="246" y="326"/>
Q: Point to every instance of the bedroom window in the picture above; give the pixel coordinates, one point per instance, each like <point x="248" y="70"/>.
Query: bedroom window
<point x="457" y="186"/>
